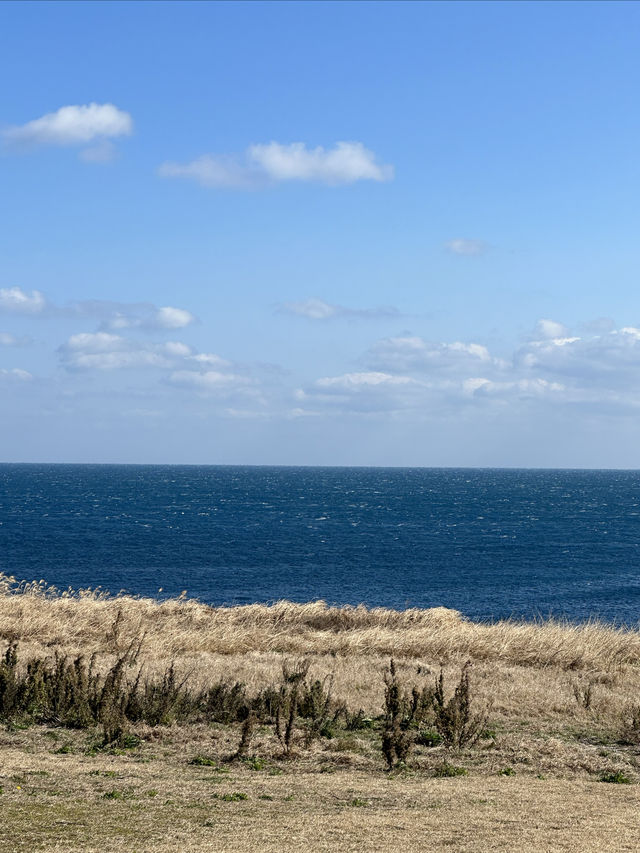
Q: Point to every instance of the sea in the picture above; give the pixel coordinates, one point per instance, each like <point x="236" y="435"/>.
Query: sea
<point x="491" y="543"/>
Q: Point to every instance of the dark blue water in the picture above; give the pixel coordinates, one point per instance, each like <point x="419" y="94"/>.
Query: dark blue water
<point x="491" y="543"/>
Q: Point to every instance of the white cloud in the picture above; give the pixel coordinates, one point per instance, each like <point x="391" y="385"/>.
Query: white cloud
<point x="173" y="318"/>
<point x="17" y="301"/>
<point x="545" y="329"/>
<point x="205" y="373"/>
<point x="273" y="163"/>
<point x="463" y="246"/>
<point x="15" y="373"/>
<point x="412" y="353"/>
<point x="364" y="392"/>
<point x="353" y="381"/>
<point x="313" y="309"/>
<point x="114" y="316"/>
<point x="210" y="359"/>
<point x="479" y="386"/>
<point x="105" y="351"/>
<point x="611" y="359"/>
<point x="318" y="309"/>
<point x="118" y="316"/>
<point x="72" y="125"/>
<point x="209" y="380"/>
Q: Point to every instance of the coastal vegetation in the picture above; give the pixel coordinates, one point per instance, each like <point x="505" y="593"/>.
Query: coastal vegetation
<point x="131" y="723"/>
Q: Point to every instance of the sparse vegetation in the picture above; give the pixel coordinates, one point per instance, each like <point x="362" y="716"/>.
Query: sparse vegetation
<point x="204" y="696"/>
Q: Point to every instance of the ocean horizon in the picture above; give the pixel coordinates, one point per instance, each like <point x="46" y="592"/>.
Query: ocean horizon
<point x="491" y="542"/>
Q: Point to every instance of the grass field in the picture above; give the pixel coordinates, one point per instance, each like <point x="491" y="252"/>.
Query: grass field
<point x="554" y="763"/>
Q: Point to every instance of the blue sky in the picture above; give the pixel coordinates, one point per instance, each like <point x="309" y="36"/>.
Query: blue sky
<point x="320" y="233"/>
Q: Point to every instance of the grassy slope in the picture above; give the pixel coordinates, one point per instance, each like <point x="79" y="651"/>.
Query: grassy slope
<point x="335" y="795"/>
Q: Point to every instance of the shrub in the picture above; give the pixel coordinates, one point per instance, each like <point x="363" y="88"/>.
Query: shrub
<point x="287" y="707"/>
<point x="246" y="736"/>
<point x="455" y="720"/>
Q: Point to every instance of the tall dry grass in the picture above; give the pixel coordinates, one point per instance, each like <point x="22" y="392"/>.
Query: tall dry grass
<point x="92" y="620"/>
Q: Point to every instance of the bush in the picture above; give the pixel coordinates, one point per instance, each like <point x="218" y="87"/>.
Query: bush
<point x="455" y="720"/>
<point x="403" y="712"/>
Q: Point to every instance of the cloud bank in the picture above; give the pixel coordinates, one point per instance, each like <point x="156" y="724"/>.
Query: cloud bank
<point x="274" y="163"/>
<point x="409" y="375"/>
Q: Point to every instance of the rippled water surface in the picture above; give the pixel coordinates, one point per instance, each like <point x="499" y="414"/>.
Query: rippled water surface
<point x="491" y="543"/>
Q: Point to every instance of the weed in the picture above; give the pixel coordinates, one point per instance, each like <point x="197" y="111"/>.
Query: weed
<point x="429" y="737"/>
<point x="287" y="706"/>
<point x="402" y="711"/>
<point x="356" y="722"/>
<point x="356" y="802"/>
<point x="246" y="737"/>
<point x="507" y="771"/>
<point x="118" y="795"/>
<point x="129" y="741"/>
<point x="204" y="761"/>
<point x="446" y="771"/>
<point x="455" y="720"/>
<point x="235" y="797"/>
<point x="255" y="763"/>
<point x="617" y="778"/>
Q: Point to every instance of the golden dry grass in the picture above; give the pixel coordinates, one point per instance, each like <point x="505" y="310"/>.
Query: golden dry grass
<point x="533" y="674"/>
<point x="179" y="627"/>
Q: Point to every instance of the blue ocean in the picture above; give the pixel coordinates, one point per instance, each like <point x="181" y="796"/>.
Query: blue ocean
<point x="492" y="543"/>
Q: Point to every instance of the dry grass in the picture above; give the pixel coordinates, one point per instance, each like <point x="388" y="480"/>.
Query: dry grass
<point x="562" y="698"/>
<point x="87" y="621"/>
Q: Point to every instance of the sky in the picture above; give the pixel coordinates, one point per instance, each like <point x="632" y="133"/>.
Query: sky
<point x="300" y="233"/>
